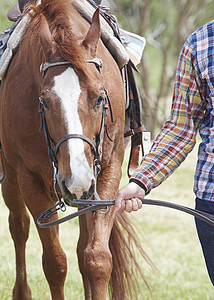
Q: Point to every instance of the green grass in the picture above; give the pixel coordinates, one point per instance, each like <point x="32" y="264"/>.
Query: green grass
<point x="168" y="236"/>
<point x="4" y="7"/>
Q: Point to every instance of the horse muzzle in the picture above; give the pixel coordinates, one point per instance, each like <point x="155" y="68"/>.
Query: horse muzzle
<point x="70" y="192"/>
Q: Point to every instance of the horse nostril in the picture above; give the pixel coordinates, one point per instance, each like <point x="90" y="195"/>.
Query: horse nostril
<point x="70" y="194"/>
<point x="67" y="195"/>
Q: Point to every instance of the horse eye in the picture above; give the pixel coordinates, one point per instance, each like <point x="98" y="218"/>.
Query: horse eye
<point x="99" y="100"/>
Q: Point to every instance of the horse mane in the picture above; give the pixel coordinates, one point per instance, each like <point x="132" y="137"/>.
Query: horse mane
<point x="58" y="16"/>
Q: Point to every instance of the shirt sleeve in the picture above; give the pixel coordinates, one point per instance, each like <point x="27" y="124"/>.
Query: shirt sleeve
<point x="177" y="137"/>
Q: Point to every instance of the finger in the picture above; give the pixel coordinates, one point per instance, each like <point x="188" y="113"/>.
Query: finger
<point x="122" y="207"/>
<point x="128" y="206"/>
<point x="135" y="204"/>
<point x="118" y="201"/>
<point x="140" y="204"/>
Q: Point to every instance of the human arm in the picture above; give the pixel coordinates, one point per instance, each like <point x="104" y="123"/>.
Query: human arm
<point x="177" y="137"/>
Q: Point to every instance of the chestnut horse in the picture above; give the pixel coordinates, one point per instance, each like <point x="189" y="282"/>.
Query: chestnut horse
<point x="73" y="95"/>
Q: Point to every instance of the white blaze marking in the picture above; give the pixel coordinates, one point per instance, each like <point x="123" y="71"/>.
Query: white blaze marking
<point x="67" y="88"/>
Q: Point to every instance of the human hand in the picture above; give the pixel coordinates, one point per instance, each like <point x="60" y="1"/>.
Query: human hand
<point x="127" y="199"/>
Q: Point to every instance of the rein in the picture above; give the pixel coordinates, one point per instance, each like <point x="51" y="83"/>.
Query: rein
<point x="94" y="205"/>
<point x="205" y="217"/>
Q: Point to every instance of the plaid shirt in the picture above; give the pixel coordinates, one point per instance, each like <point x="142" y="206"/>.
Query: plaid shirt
<point x="190" y="113"/>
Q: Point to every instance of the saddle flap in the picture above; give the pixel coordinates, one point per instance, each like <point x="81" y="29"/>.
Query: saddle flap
<point x="140" y="144"/>
<point x="136" y="146"/>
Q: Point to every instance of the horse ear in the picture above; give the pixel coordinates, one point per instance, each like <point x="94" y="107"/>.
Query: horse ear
<point x="91" y="40"/>
<point x="45" y="37"/>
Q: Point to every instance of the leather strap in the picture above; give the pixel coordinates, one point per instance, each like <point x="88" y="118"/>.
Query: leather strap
<point x="205" y="217"/>
<point x="97" y="205"/>
<point x="134" y="159"/>
<point x="46" y="215"/>
<point x="22" y="4"/>
<point x="132" y="132"/>
<point x="76" y="136"/>
<point x="46" y="65"/>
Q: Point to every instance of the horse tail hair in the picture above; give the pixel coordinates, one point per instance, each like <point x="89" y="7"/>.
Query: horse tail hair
<point x="126" y="272"/>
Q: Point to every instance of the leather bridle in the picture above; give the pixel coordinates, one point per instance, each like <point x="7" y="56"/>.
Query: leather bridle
<point x="53" y="147"/>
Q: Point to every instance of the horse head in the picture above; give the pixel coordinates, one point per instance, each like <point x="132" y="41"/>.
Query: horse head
<point x="72" y="102"/>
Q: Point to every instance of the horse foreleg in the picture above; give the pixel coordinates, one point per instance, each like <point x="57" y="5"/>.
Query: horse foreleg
<point x="53" y="259"/>
<point x="81" y="246"/>
<point x="97" y="256"/>
<point x="98" y="261"/>
<point x="19" y="227"/>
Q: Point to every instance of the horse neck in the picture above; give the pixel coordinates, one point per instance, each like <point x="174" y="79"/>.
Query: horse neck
<point x="30" y="59"/>
<point x="24" y="74"/>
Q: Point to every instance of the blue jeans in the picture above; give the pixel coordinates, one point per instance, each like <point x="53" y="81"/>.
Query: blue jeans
<point x="206" y="235"/>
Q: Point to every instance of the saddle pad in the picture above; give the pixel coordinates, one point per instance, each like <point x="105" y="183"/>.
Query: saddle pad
<point x="114" y="46"/>
<point x="135" y="46"/>
<point x="13" y="44"/>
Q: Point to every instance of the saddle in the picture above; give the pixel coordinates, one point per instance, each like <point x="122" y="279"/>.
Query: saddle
<point x="133" y="99"/>
<point x="15" y="12"/>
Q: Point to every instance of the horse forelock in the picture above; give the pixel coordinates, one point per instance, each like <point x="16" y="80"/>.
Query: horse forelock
<point x="58" y="16"/>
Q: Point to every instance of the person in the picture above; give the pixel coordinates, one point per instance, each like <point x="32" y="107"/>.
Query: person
<point x="192" y="111"/>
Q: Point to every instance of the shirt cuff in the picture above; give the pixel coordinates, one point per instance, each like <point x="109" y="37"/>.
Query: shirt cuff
<point x="138" y="183"/>
<point x="142" y="182"/>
